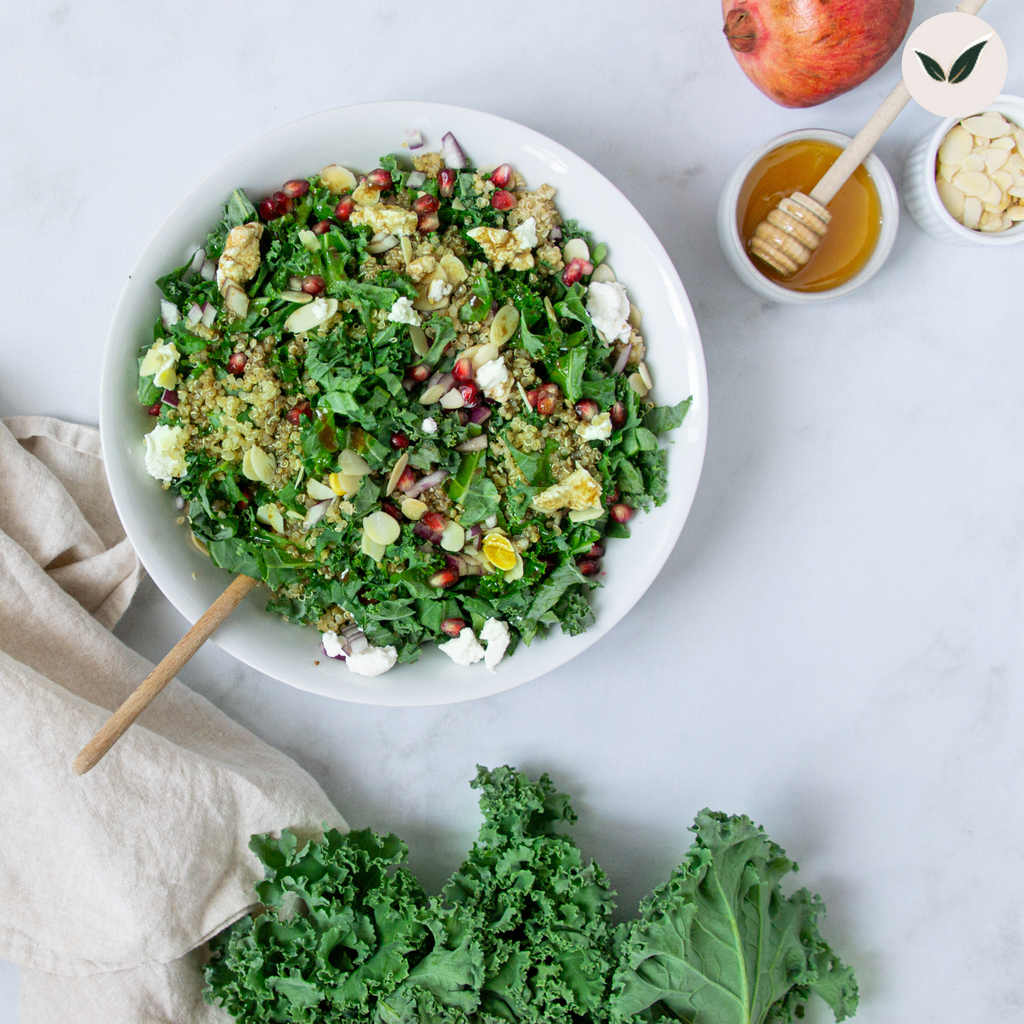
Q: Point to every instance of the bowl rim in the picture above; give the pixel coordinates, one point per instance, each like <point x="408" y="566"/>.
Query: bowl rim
<point x="119" y="461"/>
<point x="728" y="207"/>
<point x="1008" y="237"/>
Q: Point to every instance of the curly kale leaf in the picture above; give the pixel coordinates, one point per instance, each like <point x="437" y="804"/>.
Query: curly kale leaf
<point x="719" y="942"/>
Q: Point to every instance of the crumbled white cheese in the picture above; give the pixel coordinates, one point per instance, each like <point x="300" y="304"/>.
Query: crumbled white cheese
<point x="526" y="234"/>
<point x="332" y="645"/>
<point x="374" y="661"/>
<point x="160" y="361"/>
<point x="403" y="313"/>
<point x="598" y="429"/>
<point x="495" y="635"/>
<point x="429" y="425"/>
<point x="439" y="289"/>
<point x="165" y="452"/>
<point x="463" y="649"/>
<point x="608" y="306"/>
<point x="491" y="378"/>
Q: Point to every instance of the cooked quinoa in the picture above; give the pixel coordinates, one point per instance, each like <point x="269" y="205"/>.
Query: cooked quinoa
<point x="410" y="402"/>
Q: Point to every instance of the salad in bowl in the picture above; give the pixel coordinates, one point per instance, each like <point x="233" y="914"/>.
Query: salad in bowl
<point x="413" y="399"/>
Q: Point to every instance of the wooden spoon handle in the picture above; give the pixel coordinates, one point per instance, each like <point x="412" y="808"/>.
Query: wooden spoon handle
<point x="864" y="141"/>
<point x="178" y="655"/>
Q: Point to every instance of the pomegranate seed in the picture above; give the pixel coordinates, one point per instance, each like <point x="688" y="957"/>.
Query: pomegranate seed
<point x="399" y="440"/>
<point x="470" y="395"/>
<point x="503" y="200"/>
<point x="284" y="202"/>
<point x="577" y="268"/>
<point x="295" y="188"/>
<point x="531" y="397"/>
<point x="312" y="284"/>
<point x="502" y="175"/>
<point x="618" y="414"/>
<point x="597" y="551"/>
<point x="621" y="513"/>
<point x="611" y="499"/>
<point x="548" y="396"/>
<point x="269" y="209"/>
<point x="425" y="203"/>
<point x="463" y="369"/>
<point x="321" y="227"/>
<point x="587" y="409"/>
<point x="428" y="222"/>
<point x="344" y="208"/>
<point x="236" y="363"/>
<point x="296" y="412"/>
<point x="453" y="627"/>
<point x="419" y="373"/>
<point x="391" y="509"/>
<point x="154" y="409"/>
<point x="589" y="566"/>
<point x="380" y="178"/>
<point x="434" y="521"/>
<point x="406" y="480"/>
<point x="444" y="578"/>
<point x="446" y="181"/>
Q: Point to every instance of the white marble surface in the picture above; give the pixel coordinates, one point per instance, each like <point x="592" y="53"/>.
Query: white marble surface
<point x="833" y="647"/>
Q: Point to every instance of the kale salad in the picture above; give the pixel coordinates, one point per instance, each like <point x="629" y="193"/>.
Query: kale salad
<point x="413" y="402"/>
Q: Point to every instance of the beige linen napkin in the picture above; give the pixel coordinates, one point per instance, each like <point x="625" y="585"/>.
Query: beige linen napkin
<point x="108" y="881"/>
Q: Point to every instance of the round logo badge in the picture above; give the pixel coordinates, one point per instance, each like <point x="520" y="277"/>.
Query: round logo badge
<point x="954" y="65"/>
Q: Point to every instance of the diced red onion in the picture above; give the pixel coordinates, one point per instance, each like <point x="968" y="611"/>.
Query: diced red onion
<point x="620" y="363"/>
<point x="414" y="139"/>
<point x="415" y="179"/>
<point x="426" y="482"/>
<point x="474" y="444"/>
<point x="447" y="381"/>
<point x="209" y="314"/>
<point x="555" y="234"/>
<point x="452" y="152"/>
<point x="337" y="657"/>
<point x="457" y="564"/>
<point x="208" y="271"/>
<point x="169" y="314"/>
<point x="479" y="414"/>
<point x="170" y="397"/>
<point x="422" y="530"/>
<point x="194" y="315"/>
<point x="197" y="262"/>
<point x="474" y="531"/>
<point x="434" y="379"/>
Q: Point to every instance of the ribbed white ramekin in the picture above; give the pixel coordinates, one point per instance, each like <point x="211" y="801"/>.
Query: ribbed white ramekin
<point x="922" y="197"/>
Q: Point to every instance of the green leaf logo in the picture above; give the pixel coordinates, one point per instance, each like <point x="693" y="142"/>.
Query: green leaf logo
<point x="961" y="68"/>
<point x="965" y="63"/>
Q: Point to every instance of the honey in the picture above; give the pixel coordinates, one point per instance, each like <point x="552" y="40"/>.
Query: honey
<point x="856" y="213"/>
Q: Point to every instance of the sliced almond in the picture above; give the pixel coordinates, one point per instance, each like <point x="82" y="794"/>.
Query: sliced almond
<point x="1015" y="213"/>
<point x="504" y="325"/>
<point x="956" y="145"/>
<point x="948" y="170"/>
<point x="585" y="515"/>
<point x="994" y="195"/>
<point x="454" y="268"/>
<point x="971" y="183"/>
<point x="993" y="225"/>
<point x="235" y="298"/>
<point x="381" y="528"/>
<point x="1007" y="142"/>
<point x="371" y="548"/>
<point x="1007" y="222"/>
<point x="420" y="341"/>
<point x="406" y="249"/>
<point x="994" y="159"/>
<point x="452" y="399"/>
<point x="637" y="383"/>
<point x="309" y="241"/>
<point x="431" y="395"/>
<point x="423" y="300"/>
<point x="645" y="375"/>
<point x="575" y="249"/>
<point x="602" y="274"/>
<point x="270" y="515"/>
<point x="635" y="317"/>
<point x="1003" y="179"/>
<point x="344" y="486"/>
<point x="453" y="537"/>
<point x="972" y="212"/>
<point x="294" y="296"/>
<point x="973" y="162"/>
<point x="483" y="354"/>
<point x="258" y="465"/>
<point x="952" y="198"/>
<point x="318" y="491"/>
<point x="1017" y="192"/>
<point x="312" y="315"/>
<point x="414" y="509"/>
<point x="337" y="178"/>
<point x="352" y="463"/>
<point x="399" y="468"/>
<point x="987" y="126"/>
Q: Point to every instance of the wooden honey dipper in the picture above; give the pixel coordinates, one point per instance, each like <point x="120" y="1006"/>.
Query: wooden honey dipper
<point x="795" y="228"/>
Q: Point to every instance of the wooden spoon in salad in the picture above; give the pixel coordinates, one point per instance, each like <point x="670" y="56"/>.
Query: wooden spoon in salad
<point x="792" y="231"/>
<point x="179" y="654"/>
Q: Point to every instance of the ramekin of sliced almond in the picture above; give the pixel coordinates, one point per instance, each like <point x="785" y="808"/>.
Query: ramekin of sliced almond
<point x="980" y="172"/>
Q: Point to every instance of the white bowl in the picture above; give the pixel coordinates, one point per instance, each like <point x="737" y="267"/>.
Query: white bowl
<point x="922" y="196"/>
<point x="357" y="136"/>
<point x="730" y="222"/>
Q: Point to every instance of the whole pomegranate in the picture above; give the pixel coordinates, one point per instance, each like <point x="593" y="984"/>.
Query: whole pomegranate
<point x="803" y="52"/>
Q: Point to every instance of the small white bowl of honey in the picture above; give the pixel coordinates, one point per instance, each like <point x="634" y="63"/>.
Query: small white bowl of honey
<point x="865" y="215"/>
